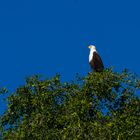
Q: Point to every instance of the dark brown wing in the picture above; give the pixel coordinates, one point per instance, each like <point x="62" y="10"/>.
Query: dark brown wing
<point x="98" y="64"/>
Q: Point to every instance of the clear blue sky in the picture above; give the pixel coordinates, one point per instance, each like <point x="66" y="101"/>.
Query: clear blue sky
<point x="51" y="36"/>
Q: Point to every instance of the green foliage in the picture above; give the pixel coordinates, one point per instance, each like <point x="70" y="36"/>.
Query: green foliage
<point x="100" y="106"/>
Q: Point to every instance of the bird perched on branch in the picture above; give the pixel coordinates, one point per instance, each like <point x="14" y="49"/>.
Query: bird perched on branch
<point x="95" y="60"/>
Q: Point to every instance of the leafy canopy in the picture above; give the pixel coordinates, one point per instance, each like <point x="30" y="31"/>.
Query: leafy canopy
<point x="99" y="106"/>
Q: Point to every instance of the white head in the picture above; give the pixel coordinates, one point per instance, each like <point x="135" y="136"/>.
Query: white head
<point x="92" y="47"/>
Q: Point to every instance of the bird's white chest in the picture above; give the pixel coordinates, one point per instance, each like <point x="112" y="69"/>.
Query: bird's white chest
<point x="91" y="55"/>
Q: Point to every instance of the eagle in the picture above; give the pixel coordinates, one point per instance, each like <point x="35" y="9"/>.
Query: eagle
<point x="95" y="60"/>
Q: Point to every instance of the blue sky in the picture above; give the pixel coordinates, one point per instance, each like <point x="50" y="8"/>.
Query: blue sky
<point x="51" y="36"/>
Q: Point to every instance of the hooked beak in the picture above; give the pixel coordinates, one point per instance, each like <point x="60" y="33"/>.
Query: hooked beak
<point x="89" y="47"/>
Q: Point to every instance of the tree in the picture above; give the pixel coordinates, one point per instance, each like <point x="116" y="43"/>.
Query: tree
<point x="99" y="106"/>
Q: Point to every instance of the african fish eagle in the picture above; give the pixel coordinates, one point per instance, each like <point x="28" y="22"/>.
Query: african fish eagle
<point x="95" y="60"/>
